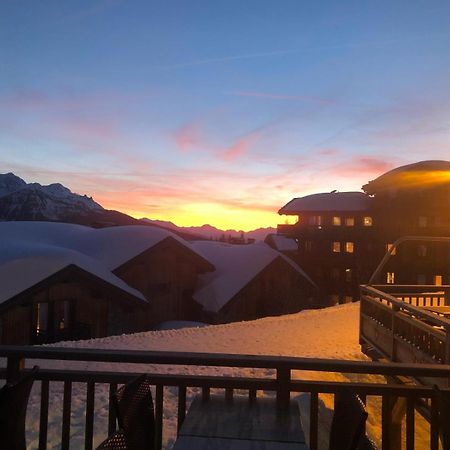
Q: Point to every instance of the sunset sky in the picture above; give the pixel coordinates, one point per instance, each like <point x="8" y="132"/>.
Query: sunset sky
<point x="220" y="111"/>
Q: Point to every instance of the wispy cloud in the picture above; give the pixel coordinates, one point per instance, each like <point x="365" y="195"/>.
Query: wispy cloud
<point x="188" y="135"/>
<point x="272" y="96"/>
<point x="241" y="146"/>
<point x="201" y="62"/>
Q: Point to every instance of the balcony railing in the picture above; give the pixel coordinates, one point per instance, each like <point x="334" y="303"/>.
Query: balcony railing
<point x="278" y="377"/>
<point x="405" y="325"/>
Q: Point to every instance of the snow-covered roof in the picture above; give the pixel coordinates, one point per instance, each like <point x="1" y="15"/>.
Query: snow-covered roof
<point x="418" y="175"/>
<point x="32" y="251"/>
<point x="330" y="201"/>
<point x="236" y="266"/>
<point x="111" y="246"/>
<point x="283" y="243"/>
<point x="24" y="264"/>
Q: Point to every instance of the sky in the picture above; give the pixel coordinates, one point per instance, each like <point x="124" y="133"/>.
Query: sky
<point x="220" y="112"/>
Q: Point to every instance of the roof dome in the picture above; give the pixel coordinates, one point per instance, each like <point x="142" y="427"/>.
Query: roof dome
<point x="420" y="175"/>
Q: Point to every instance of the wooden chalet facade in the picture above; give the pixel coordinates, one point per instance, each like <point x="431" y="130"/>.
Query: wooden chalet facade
<point x="276" y="290"/>
<point x="342" y="236"/>
<point x="250" y="282"/>
<point x="334" y="231"/>
<point x="70" y="304"/>
<point x="69" y="282"/>
<point x="167" y="275"/>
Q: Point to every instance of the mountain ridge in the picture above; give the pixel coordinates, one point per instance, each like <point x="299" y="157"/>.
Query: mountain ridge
<point x="55" y="202"/>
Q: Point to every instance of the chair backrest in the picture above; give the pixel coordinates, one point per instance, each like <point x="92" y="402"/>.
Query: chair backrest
<point x="135" y="414"/>
<point x="366" y="444"/>
<point x="13" y="409"/>
<point x="116" y="441"/>
<point x="349" y="419"/>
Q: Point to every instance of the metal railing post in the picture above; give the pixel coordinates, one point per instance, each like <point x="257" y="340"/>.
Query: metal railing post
<point x="283" y="391"/>
<point x="14" y="366"/>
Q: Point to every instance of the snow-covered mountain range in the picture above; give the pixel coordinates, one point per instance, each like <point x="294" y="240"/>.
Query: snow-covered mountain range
<point x="20" y="200"/>
<point x="211" y="232"/>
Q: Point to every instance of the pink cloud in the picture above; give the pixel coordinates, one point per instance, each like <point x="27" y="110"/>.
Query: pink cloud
<point x="188" y="136"/>
<point x="240" y="146"/>
<point x="361" y="168"/>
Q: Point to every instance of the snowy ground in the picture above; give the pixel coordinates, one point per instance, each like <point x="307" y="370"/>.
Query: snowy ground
<point x="326" y="333"/>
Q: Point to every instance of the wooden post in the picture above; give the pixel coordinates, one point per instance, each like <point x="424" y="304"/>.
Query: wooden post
<point x="395" y="309"/>
<point x="447" y="349"/>
<point x="14" y="366"/>
<point x="283" y="392"/>
<point x="393" y="411"/>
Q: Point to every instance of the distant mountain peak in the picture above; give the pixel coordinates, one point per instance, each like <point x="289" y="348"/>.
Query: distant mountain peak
<point x="208" y="231"/>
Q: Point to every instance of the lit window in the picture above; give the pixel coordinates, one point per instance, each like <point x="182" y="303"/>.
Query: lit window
<point x="390" y="278"/>
<point x="41" y="317"/>
<point x="336" y="247"/>
<point x="367" y="221"/>
<point x="391" y="248"/>
<point x="438" y="280"/>
<point x="423" y="221"/>
<point x="336" y="221"/>
<point x="349" y="221"/>
<point x="348" y="275"/>
<point x="349" y="247"/>
<point x="422" y="250"/>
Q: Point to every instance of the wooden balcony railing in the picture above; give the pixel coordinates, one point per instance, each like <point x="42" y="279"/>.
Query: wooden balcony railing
<point x="398" y="329"/>
<point x="279" y="379"/>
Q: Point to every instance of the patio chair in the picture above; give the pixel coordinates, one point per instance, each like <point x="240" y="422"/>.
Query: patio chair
<point x="13" y="409"/>
<point x="349" y="419"/>
<point x="366" y="444"/>
<point x="135" y="416"/>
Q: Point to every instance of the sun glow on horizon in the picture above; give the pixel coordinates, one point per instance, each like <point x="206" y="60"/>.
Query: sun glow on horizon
<point x="220" y="216"/>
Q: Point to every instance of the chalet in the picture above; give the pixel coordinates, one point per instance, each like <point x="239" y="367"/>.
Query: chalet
<point x="250" y="281"/>
<point x="50" y="293"/>
<point x="343" y="235"/>
<point x="413" y="200"/>
<point x="64" y="281"/>
<point x="333" y="231"/>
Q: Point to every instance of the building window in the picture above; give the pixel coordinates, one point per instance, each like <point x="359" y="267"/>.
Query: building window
<point x="438" y="280"/>
<point x="348" y="275"/>
<point x="391" y="248"/>
<point x="421" y="279"/>
<point x="367" y="221"/>
<point x="308" y="246"/>
<point x="336" y="247"/>
<point x="349" y="247"/>
<point x="422" y="250"/>
<point x="349" y="221"/>
<point x="390" y="278"/>
<point x="315" y="220"/>
<point x="336" y="221"/>
<point x="41" y="318"/>
<point x="61" y="314"/>
<point x="423" y="221"/>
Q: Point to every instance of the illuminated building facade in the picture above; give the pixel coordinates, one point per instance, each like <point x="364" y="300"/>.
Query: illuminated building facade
<point x="342" y="236"/>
